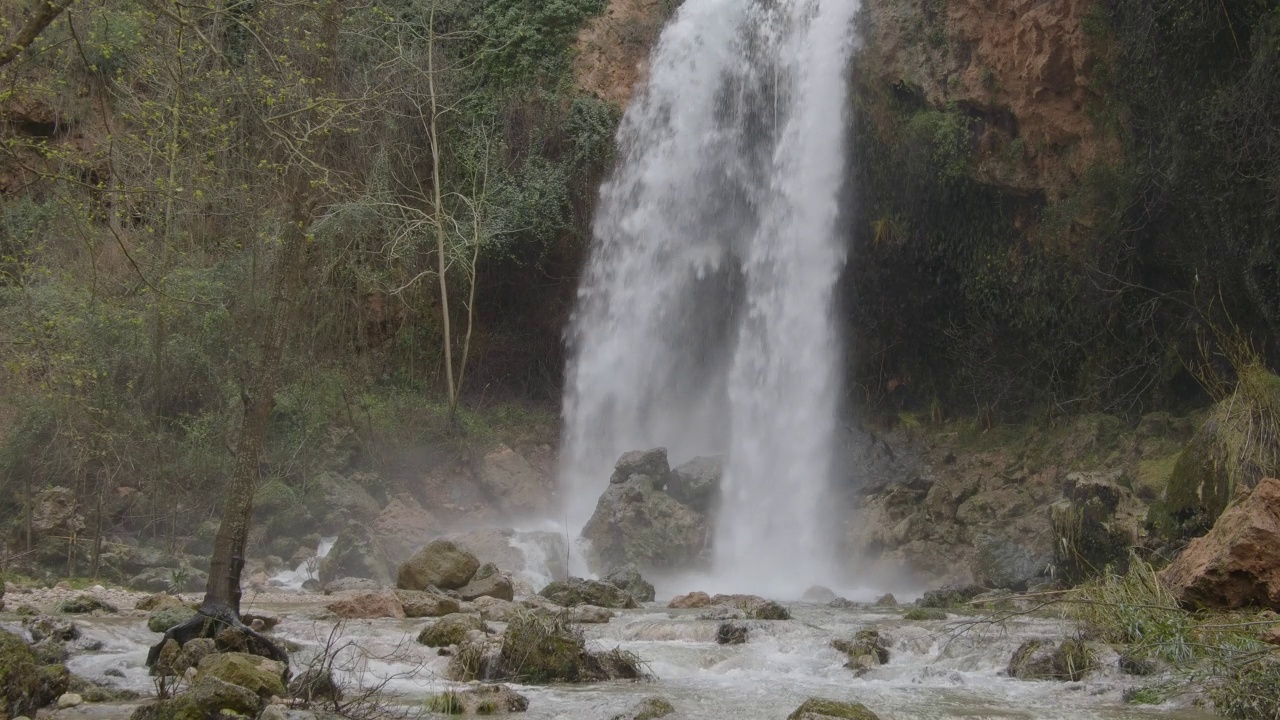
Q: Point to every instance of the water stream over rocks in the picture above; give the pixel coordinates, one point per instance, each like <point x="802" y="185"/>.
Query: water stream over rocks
<point x="933" y="672"/>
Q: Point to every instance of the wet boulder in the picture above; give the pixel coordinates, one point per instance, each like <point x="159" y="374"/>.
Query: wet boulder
<point x="161" y="620"/>
<point x="821" y="709"/>
<point x="1238" y="563"/>
<point x="488" y="582"/>
<point x="481" y="700"/>
<point x="368" y="605"/>
<point x="950" y="596"/>
<point x="697" y="483"/>
<point x="628" y="578"/>
<point x="442" y="564"/>
<point x="577" y="591"/>
<point x="350" y="584"/>
<point x="650" y="708"/>
<point x="731" y="633"/>
<point x="1071" y="660"/>
<point x="1000" y="562"/>
<point x="419" y="604"/>
<point x="651" y="464"/>
<point x="1093" y="526"/>
<point x="260" y="675"/>
<point x="26" y="684"/>
<point x="356" y="553"/>
<point x="754" y="606"/>
<point x="84" y="604"/>
<point x="591" y="615"/>
<point x="636" y="523"/>
<point x="451" y="630"/>
<point x="696" y="599"/>
<point x="819" y="594"/>
<point x="208" y="697"/>
<point x="866" y="650"/>
<point x="44" y="627"/>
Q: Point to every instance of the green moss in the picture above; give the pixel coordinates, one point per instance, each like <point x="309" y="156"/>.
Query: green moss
<point x="165" y="618"/>
<point x="920" y="614"/>
<point x="450" y="630"/>
<point x="25" y="685"/>
<point x="818" y="708"/>
<point x="1153" y="475"/>
<point x="445" y="703"/>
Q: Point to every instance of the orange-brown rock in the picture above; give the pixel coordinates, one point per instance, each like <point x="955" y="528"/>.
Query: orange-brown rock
<point x="1272" y="636"/>
<point x="1021" y="67"/>
<point x="613" y="49"/>
<point x="692" y="600"/>
<point x="368" y="605"/>
<point x="1238" y="563"/>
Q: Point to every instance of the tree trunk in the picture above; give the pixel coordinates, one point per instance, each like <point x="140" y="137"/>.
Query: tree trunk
<point x="220" y="609"/>
<point x="44" y="14"/>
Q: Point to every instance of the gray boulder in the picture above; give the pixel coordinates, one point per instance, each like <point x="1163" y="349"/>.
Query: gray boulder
<point x="511" y="481"/>
<point x="488" y="582"/>
<point x="1002" y="563"/>
<point x="357" y="553"/>
<point x="440" y="564"/>
<point x="577" y="591"/>
<point x="628" y="578"/>
<point x="649" y="463"/>
<point x="697" y="483"/>
<point x="636" y="523"/>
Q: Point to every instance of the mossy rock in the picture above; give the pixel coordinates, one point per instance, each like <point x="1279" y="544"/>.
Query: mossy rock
<point x="257" y="674"/>
<point x="165" y="618"/>
<point x="950" y="596"/>
<point x="921" y="614"/>
<point x="650" y="708"/>
<point x="209" y="698"/>
<point x="83" y="605"/>
<point x="577" y="591"/>
<point x="25" y="684"/>
<point x="482" y="700"/>
<point x="1235" y="448"/>
<point x="450" y="630"/>
<point x="822" y="709"/>
<point x="867" y="643"/>
<point x="1071" y="660"/>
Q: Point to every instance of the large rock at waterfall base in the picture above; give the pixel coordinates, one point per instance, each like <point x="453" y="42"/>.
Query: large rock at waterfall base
<point x="263" y="676"/>
<point x="629" y="579"/>
<point x="1238" y="563"/>
<point x="576" y="591"/>
<point x="820" y="709"/>
<point x="637" y="523"/>
<point x="357" y="553"/>
<point x="647" y="463"/>
<point x="697" y="483"/>
<point x="441" y="564"/>
<point x="368" y="605"/>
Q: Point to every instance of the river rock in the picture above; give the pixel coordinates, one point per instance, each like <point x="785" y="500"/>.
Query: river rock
<point x="1071" y="660"/>
<point x="697" y="483"/>
<point x="420" y="604"/>
<point x="515" y="485"/>
<point x="577" y="591"/>
<point x="886" y="600"/>
<point x="648" y="463"/>
<point x="590" y="614"/>
<point x="208" y="697"/>
<point x="69" y="700"/>
<point x="820" y="709"/>
<point x="356" y="553"/>
<point x="350" y="584"/>
<point x="1094" y="526"/>
<point x="161" y="620"/>
<point x="696" y="599"/>
<point x="818" y="594"/>
<point x="488" y="582"/>
<point x="368" y="605"/>
<point x="1238" y="563"/>
<point x="481" y="700"/>
<point x="261" y="675"/>
<point x="866" y="650"/>
<point x="192" y="652"/>
<point x="755" y="607"/>
<point x="650" y="708"/>
<point x="84" y="604"/>
<point x="158" y="601"/>
<point x="441" y="564"/>
<point x="950" y="596"/>
<point x="628" y="578"/>
<point x="450" y="630"/>
<point x="27" y="685"/>
<point x="636" y="523"/>
<point x="44" y="627"/>
<point x="731" y="633"/>
<point x="495" y="609"/>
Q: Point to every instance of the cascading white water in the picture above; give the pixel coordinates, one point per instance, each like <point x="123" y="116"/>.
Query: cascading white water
<point x="705" y="320"/>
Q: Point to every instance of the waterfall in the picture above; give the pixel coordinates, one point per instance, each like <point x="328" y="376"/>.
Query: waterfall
<point x="705" y="321"/>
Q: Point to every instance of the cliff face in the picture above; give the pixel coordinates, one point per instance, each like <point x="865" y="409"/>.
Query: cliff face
<point x="1020" y="68"/>
<point x="612" y="51"/>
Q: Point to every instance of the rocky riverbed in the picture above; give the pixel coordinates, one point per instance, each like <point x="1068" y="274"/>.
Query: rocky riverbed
<point x="940" y="668"/>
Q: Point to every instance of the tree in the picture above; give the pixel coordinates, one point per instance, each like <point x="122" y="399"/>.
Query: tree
<point x="45" y="13"/>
